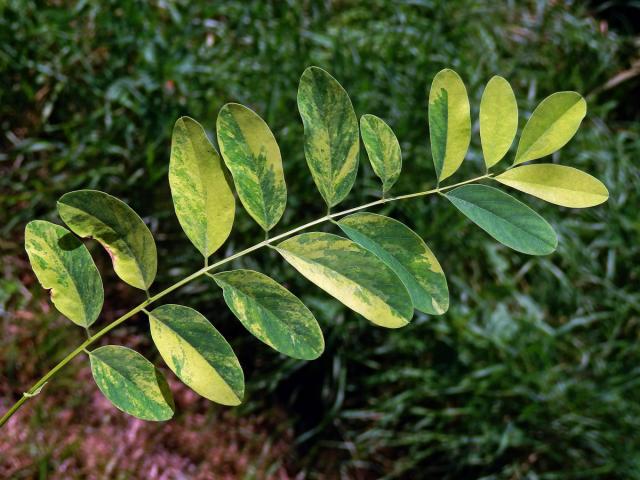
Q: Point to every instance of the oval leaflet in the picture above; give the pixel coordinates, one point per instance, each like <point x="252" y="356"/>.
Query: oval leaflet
<point x="506" y="219"/>
<point x="90" y="213"/>
<point x="202" y="197"/>
<point x="63" y="265"/>
<point x="131" y="383"/>
<point x="272" y="313"/>
<point x="351" y="274"/>
<point x="402" y="250"/>
<point x="251" y="153"/>
<point x="196" y="352"/>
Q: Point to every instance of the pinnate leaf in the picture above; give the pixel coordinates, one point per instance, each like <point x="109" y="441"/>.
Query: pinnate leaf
<point x="383" y="149"/>
<point x="251" y="153"/>
<point x="272" y="313"/>
<point x="202" y="197"/>
<point x="449" y="122"/>
<point x="331" y="139"/>
<point x="565" y="186"/>
<point x="197" y="353"/>
<point x="553" y="123"/>
<point x="402" y="250"/>
<point x="132" y="383"/>
<point x="90" y="213"/>
<point x="351" y="274"/>
<point x="64" y="266"/>
<point x="506" y="219"/>
<point x="498" y="120"/>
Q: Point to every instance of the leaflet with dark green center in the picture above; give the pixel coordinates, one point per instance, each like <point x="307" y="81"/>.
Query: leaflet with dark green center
<point x="351" y="274"/>
<point x="331" y="140"/>
<point x="132" y="383"/>
<point x="402" y="250"/>
<point x="382" y="148"/>
<point x="251" y="153"/>
<point x="196" y="352"/>
<point x="64" y="266"/>
<point x="90" y="213"/>
<point x="272" y="313"/>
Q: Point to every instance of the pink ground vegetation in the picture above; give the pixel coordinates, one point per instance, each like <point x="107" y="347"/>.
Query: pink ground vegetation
<point x="71" y="431"/>
<point x="86" y="437"/>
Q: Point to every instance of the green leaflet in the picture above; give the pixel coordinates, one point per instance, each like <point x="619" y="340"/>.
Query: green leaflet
<point x="506" y="219"/>
<point x="64" y="266"/>
<point x="272" y="313"/>
<point x="132" y="383"/>
<point x="119" y="230"/>
<point x="553" y="123"/>
<point x="196" y="352"/>
<point x="351" y="274"/>
<point x="557" y="184"/>
<point x="402" y="250"/>
<point x="383" y="149"/>
<point x="449" y="122"/>
<point x="331" y="140"/>
<point x="498" y="120"/>
<point x="202" y="197"/>
<point x="251" y="153"/>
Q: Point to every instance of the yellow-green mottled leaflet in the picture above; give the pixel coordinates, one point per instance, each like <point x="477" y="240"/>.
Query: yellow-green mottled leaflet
<point x="449" y="122"/>
<point x="63" y="265"/>
<point x="498" y="120"/>
<point x="90" y="213"/>
<point x="506" y="219"/>
<point x="196" y="352"/>
<point x="272" y="313"/>
<point x="132" y="383"/>
<point x="557" y="184"/>
<point x="383" y="149"/>
<point x="351" y="274"/>
<point x="202" y="196"/>
<point x="331" y="140"/>
<point x="251" y="152"/>
<point x="553" y="123"/>
<point x="402" y="250"/>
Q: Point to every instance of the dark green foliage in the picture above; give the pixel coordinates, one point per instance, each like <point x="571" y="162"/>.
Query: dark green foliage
<point x="533" y="373"/>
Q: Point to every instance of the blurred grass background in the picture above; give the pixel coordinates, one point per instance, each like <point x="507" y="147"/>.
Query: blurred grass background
<point x="534" y="373"/>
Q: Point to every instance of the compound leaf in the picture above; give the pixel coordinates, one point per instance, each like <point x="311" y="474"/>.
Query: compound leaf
<point x="565" y="186"/>
<point x="197" y="353"/>
<point x="506" y="219"/>
<point x="331" y="140"/>
<point x="132" y="383"/>
<point x="351" y="274"/>
<point x="498" y="120"/>
<point x="383" y="149"/>
<point x="553" y="123"/>
<point x="449" y="122"/>
<point x="90" y="213"/>
<point x="202" y="197"/>
<point x="272" y="313"/>
<point x="402" y="250"/>
<point x="64" y="266"/>
<point x="251" y="153"/>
